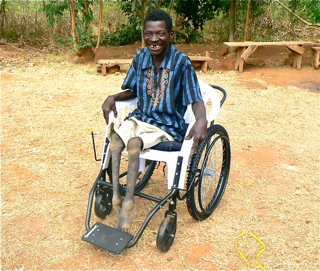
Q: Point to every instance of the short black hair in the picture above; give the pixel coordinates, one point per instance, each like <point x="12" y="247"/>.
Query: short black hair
<point x="159" y="15"/>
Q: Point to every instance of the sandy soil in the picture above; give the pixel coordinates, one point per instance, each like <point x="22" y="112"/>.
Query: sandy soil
<point x="49" y="102"/>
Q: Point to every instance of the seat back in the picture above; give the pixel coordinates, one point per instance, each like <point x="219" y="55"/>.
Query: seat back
<point x="211" y="100"/>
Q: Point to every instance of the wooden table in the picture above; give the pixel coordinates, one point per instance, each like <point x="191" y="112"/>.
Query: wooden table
<point x="246" y="48"/>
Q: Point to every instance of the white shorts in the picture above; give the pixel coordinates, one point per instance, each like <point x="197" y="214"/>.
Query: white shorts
<point x="150" y="134"/>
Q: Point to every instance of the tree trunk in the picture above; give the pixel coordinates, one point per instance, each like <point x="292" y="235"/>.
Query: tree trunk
<point x="247" y="21"/>
<point x="73" y="24"/>
<point x="87" y="22"/>
<point x="100" y="26"/>
<point x="3" y="16"/>
<point x="232" y="20"/>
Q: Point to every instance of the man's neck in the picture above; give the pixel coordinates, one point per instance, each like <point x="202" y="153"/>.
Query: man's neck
<point x="157" y="60"/>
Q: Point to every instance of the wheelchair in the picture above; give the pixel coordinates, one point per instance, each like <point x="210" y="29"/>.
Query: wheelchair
<point x="199" y="178"/>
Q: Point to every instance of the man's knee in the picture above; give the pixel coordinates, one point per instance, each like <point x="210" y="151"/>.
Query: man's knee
<point x="116" y="143"/>
<point x="135" y="145"/>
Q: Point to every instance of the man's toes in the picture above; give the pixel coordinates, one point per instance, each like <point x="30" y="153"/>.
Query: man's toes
<point x="124" y="228"/>
<point x="126" y="215"/>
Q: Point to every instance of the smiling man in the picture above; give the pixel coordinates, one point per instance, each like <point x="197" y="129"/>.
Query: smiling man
<point x="164" y="83"/>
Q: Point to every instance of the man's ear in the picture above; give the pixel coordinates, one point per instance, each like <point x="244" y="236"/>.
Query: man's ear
<point x="171" y="35"/>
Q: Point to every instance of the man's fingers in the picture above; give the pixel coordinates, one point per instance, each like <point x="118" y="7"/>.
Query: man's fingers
<point x="189" y="136"/>
<point x="195" y="146"/>
<point x="115" y="112"/>
<point x="106" y="117"/>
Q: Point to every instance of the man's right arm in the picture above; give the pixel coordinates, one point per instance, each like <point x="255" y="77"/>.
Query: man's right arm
<point x="110" y="103"/>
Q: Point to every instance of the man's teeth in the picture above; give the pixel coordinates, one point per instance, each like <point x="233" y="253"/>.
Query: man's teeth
<point x="155" y="46"/>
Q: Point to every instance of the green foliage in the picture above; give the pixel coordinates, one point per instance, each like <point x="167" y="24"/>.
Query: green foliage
<point x="21" y="22"/>
<point x="84" y="16"/>
<point x="187" y="34"/>
<point x="53" y="9"/>
<point x="197" y="12"/>
<point x="310" y="10"/>
<point x="127" y="34"/>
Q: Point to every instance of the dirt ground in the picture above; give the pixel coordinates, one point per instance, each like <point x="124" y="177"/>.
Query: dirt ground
<point x="49" y="102"/>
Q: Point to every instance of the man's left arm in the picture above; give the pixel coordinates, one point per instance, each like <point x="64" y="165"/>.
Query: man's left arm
<point x="199" y="130"/>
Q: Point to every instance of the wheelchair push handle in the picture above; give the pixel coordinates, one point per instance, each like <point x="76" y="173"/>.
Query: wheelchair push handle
<point x="224" y="93"/>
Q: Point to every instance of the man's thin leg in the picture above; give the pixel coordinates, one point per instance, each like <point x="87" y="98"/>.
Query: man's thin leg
<point x="128" y="206"/>
<point x="116" y="147"/>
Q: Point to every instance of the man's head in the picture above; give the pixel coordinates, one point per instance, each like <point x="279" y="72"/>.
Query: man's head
<point x="158" y="32"/>
<point x="159" y="15"/>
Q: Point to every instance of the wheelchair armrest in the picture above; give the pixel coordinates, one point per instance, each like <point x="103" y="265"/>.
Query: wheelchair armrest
<point x="187" y="144"/>
<point x="123" y="109"/>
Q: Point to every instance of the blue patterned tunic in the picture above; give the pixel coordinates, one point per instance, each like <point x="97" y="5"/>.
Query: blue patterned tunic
<point x="163" y="96"/>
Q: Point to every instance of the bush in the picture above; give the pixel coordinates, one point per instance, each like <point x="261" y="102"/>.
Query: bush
<point x="127" y="34"/>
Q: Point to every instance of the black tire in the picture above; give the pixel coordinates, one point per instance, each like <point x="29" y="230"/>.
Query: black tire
<point x="103" y="203"/>
<point x="208" y="173"/>
<point x="166" y="233"/>
<point x="143" y="176"/>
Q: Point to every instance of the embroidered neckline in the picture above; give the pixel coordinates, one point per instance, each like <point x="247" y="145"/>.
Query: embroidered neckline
<point x="156" y="86"/>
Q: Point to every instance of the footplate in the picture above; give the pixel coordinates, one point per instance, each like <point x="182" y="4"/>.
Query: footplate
<point x="108" y="238"/>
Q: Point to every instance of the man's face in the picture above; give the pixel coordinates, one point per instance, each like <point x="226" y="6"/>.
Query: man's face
<point x="156" y="37"/>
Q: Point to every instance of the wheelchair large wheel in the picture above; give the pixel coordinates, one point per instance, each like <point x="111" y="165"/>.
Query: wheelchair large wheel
<point x="208" y="173"/>
<point x="143" y="177"/>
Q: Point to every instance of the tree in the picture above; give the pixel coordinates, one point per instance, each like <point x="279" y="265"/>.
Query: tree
<point x="232" y="20"/>
<point x="194" y="14"/>
<point x="81" y="16"/>
<point x="197" y="12"/>
<point x="312" y="7"/>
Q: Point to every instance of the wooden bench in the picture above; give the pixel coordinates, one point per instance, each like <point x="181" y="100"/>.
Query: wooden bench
<point x="201" y="61"/>
<point x="245" y="49"/>
<point x="316" y="57"/>
<point x="108" y="65"/>
<point x="112" y="64"/>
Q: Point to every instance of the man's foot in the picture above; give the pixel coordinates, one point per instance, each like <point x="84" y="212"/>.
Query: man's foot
<point x="126" y="215"/>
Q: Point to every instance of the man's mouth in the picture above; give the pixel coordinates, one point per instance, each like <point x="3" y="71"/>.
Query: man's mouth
<point x="154" y="46"/>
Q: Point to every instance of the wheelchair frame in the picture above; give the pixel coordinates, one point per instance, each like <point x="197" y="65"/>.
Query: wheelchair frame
<point x="114" y="240"/>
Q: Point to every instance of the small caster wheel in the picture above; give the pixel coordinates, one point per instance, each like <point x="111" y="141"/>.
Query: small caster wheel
<point x="166" y="233"/>
<point x="103" y="204"/>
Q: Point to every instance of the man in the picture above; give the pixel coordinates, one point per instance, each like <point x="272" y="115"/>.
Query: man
<point x="164" y="83"/>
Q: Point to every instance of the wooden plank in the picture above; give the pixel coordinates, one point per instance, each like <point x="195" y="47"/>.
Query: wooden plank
<point x="295" y="48"/>
<point x="200" y="58"/>
<point x="112" y="62"/>
<point x="248" y="52"/>
<point x="268" y="43"/>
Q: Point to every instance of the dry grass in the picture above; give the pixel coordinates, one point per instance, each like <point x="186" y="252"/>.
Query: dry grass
<point x="48" y="168"/>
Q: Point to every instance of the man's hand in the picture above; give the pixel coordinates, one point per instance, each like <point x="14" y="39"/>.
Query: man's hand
<point x="198" y="132"/>
<point x="108" y="106"/>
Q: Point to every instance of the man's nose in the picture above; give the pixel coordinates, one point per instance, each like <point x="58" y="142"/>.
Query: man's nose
<point x="154" y="36"/>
